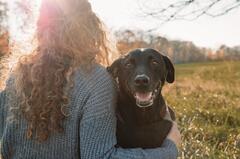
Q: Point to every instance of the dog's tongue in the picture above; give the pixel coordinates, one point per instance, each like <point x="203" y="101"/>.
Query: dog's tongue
<point x="143" y="96"/>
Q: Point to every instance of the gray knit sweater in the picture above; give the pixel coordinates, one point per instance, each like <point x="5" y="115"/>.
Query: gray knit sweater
<point x="89" y="130"/>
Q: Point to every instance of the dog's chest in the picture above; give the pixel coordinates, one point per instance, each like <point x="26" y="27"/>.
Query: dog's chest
<point x="145" y="136"/>
<point x="140" y="128"/>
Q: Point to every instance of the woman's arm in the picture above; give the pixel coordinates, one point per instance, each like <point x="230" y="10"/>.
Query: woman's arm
<point x="2" y="105"/>
<point x="4" y="94"/>
<point x="98" y="129"/>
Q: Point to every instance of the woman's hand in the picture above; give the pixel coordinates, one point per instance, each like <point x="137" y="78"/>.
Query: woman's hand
<point x="174" y="133"/>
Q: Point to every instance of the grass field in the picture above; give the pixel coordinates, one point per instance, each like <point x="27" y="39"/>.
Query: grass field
<point x="206" y="98"/>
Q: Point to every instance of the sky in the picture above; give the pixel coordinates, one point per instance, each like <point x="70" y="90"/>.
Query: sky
<point x="204" y="32"/>
<point x="125" y="14"/>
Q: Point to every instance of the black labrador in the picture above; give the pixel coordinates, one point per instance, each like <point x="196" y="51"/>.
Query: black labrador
<point x="140" y="76"/>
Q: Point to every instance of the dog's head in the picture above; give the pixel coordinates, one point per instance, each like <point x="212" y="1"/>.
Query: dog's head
<point x="141" y="74"/>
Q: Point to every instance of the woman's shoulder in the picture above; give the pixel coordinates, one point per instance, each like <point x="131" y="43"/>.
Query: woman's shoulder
<point x="95" y="78"/>
<point x="100" y="70"/>
<point x="97" y="74"/>
<point x="99" y="89"/>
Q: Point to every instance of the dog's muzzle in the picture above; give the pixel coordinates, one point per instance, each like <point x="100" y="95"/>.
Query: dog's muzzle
<point x="143" y="98"/>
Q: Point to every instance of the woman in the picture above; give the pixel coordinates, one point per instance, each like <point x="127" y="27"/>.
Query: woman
<point x="58" y="101"/>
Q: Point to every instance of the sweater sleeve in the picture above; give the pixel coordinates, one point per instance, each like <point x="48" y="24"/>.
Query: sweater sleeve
<point x="2" y="105"/>
<point x="98" y="129"/>
<point x="4" y="95"/>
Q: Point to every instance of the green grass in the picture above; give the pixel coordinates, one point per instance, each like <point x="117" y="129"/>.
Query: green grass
<point x="206" y="99"/>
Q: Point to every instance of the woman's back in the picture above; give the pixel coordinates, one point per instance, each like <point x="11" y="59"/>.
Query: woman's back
<point x="59" y="145"/>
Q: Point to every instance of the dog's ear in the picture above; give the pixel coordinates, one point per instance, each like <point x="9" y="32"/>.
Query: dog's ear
<point x="170" y="76"/>
<point x="114" y="68"/>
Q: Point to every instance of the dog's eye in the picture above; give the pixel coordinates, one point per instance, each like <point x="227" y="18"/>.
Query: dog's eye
<point x="154" y="62"/>
<point x="128" y="64"/>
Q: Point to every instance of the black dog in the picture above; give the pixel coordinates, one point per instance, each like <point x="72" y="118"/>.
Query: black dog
<point x="140" y="76"/>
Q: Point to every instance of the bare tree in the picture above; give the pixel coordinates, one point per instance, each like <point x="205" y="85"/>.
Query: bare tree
<point x="3" y="16"/>
<point x="169" y="10"/>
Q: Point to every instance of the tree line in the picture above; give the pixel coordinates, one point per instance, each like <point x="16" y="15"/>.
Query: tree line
<point x="4" y="35"/>
<point x="178" y="51"/>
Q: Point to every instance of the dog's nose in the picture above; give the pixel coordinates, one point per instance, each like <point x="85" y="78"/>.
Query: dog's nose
<point x="141" y="80"/>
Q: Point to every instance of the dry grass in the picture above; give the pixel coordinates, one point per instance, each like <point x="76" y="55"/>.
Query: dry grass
<point x="206" y="98"/>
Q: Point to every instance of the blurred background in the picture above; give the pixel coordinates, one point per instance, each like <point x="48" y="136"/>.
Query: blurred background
<point x="202" y="38"/>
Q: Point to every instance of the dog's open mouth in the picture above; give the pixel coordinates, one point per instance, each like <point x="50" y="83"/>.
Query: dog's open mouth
<point x="144" y="99"/>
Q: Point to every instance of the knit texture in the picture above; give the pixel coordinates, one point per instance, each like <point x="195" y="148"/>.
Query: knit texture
<point x="89" y="129"/>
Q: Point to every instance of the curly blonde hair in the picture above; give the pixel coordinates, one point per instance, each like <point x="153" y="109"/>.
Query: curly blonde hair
<point x="69" y="35"/>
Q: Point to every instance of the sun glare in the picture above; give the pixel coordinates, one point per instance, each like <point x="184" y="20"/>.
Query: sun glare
<point x="37" y="6"/>
<point x="22" y="33"/>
